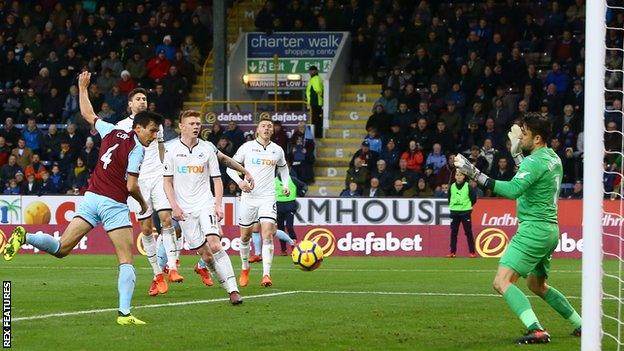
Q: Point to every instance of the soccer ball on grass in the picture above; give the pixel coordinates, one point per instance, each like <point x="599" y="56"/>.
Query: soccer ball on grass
<point x="307" y="255"/>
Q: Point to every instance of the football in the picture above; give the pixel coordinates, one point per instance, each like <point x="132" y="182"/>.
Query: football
<point x="307" y="255"/>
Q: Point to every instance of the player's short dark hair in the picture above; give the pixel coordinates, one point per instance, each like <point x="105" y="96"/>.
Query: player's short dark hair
<point x="135" y="91"/>
<point x="538" y="125"/>
<point x="144" y="118"/>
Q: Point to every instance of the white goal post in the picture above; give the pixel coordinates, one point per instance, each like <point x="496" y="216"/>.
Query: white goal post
<point x="595" y="34"/>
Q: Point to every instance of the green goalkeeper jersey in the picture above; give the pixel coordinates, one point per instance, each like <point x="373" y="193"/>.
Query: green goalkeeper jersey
<point x="535" y="186"/>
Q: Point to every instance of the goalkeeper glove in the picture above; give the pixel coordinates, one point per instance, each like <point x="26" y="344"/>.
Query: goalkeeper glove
<point x="464" y="166"/>
<point x="514" y="136"/>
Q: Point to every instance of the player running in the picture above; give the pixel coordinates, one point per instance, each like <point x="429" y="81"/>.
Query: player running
<point x="104" y="202"/>
<point x="189" y="164"/>
<point x="260" y="156"/>
<point x="536" y="188"/>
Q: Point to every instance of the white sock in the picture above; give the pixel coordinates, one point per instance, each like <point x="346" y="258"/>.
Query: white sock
<point x="267" y="256"/>
<point x="179" y="244"/>
<point x="244" y="254"/>
<point x="149" y="245"/>
<point x="213" y="271"/>
<point x="169" y="242"/>
<point x="223" y="265"/>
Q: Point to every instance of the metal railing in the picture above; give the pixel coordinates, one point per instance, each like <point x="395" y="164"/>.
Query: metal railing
<point x="235" y="105"/>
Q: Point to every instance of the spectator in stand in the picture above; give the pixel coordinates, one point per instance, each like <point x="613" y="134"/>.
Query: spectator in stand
<point x="407" y="177"/>
<point x="577" y="191"/>
<point x="374" y="140"/>
<point x="390" y="154"/>
<point x="31" y="186"/>
<point x="422" y="134"/>
<point x="352" y="190"/>
<point x="137" y="67"/>
<point x="379" y="119"/>
<point x="443" y="137"/>
<point x="452" y="119"/>
<point x="117" y="102"/>
<point x="65" y="157"/>
<point x="369" y="158"/>
<point x="10" y="133"/>
<point x="302" y="158"/>
<point x="422" y="189"/>
<point x="50" y="143"/>
<point x="35" y="168"/>
<point x="384" y="175"/>
<point x="436" y="159"/>
<point x="106" y="81"/>
<point x="22" y="153"/>
<point x="32" y="135"/>
<point x="557" y="77"/>
<point x="57" y="180"/>
<point x="214" y="133"/>
<point x="78" y="177"/>
<point x="388" y="101"/>
<point x="113" y="64"/>
<point x="191" y="53"/>
<point x="502" y="171"/>
<point x="158" y="66"/>
<point x="446" y="173"/>
<point x="404" y="117"/>
<point x="12" y="188"/>
<point x="126" y="84"/>
<point x="489" y="153"/>
<point x="168" y="49"/>
<point x="5" y="152"/>
<point x="9" y="170"/>
<point x="410" y="96"/>
<point x="169" y="132"/>
<point x="52" y="106"/>
<point x="42" y="83"/>
<point x="31" y="106"/>
<point x="374" y="189"/>
<point x="106" y="114"/>
<point x="164" y="105"/>
<point x="414" y="157"/>
<point x="12" y="102"/>
<point x="89" y="154"/>
<point x="175" y="87"/>
<point x="47" y="187"/>
<point x="279" y="136"/>
<point x="235" y="134"/>
<point x="473" y="136"/>
<point x="358" y="173"/>
<point x="71" y="110"/>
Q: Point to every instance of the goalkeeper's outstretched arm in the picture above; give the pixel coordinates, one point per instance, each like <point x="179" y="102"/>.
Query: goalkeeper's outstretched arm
<point x="512" y="189"/>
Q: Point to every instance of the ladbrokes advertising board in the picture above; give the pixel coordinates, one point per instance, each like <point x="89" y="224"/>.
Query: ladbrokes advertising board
<point x="346" y="227"/>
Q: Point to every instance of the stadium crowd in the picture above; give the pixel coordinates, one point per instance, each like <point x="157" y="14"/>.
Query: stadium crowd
<point x="454" y="77"/>
<point x="43" y="47"/>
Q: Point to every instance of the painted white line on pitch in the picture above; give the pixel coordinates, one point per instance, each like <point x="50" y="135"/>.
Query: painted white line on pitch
<point x="441" y="294"/>
<point x="181" y="303"/>
<point x="398" y="270"/>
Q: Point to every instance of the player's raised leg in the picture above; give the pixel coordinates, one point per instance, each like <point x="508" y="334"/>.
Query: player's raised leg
<point x="122" y="240"/>
<point x="75" y="231"/>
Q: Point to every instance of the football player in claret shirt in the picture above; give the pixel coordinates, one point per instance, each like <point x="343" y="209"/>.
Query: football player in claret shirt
<point x="114" y="178"/>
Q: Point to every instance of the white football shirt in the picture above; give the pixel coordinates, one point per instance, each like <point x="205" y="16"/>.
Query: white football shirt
<point x="151" y="166"/>
<point x="191" y="169"/>
<point x="261" y="161"/>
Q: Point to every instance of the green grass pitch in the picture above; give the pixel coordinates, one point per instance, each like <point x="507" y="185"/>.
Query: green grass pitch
<point x="350" y="303"/>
